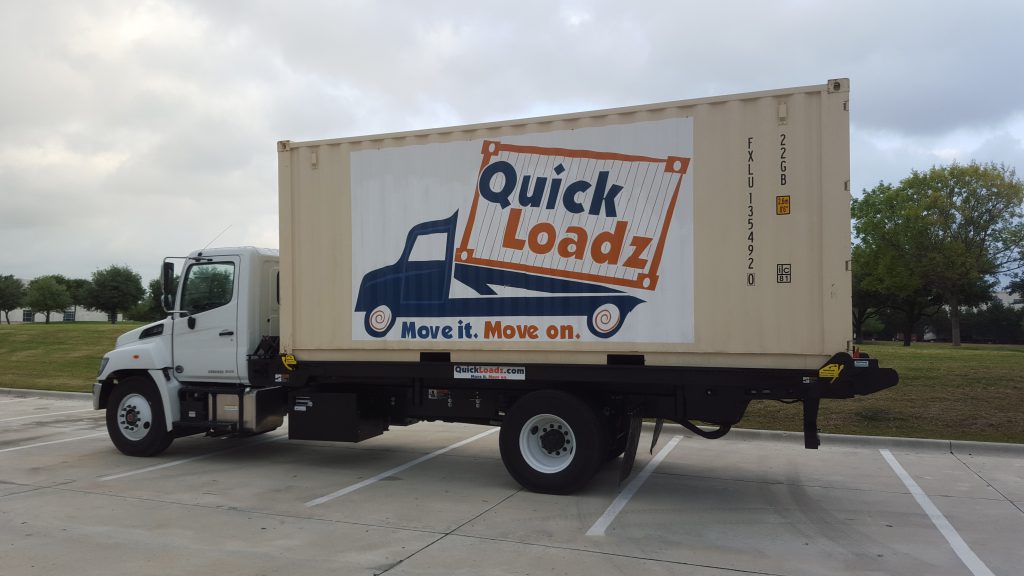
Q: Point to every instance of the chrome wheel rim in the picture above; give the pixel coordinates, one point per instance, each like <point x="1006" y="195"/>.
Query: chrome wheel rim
<point x="134" y="417"/>
<point x="547" y="443"/>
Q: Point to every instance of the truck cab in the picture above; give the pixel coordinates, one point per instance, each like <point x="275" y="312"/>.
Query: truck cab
<point x="188" y="372"/>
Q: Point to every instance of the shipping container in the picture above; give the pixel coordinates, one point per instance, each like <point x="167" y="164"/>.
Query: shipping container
<point x="711" y="232"/>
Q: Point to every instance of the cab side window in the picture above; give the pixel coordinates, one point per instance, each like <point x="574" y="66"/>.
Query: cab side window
<point x="208" y="285"/>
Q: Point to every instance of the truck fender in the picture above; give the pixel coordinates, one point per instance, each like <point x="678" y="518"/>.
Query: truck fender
<point x="168" y="386"/>
<point x="138" y="358"/>
<point x="165" y="384"/>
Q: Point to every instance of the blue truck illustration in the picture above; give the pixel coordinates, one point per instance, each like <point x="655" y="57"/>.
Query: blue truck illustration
<point x="421" y="289"/>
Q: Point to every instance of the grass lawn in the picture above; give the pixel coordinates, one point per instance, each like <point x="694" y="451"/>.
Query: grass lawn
<point x="57" y="356"/>
<point x="975" y="392"/>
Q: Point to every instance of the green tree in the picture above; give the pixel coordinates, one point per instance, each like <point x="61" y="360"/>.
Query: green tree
<point x="974" y="226"/>
<point x="151" y="309"/>
<point x="12" y="295"/>
<point x="943" y="233"/>
<point x="115" y="289"/>
<point x="1016" y="286"/>
<point x="994" y="322"/>
<point x="46" y="294"/>
<point x="868" y="303"/>
<point x="890" y="255"/>
<point x="78" y="289"/>
<point x="154" y="310"/>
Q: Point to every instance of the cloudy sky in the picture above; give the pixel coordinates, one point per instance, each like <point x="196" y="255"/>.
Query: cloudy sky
<point x="131" y="130"/>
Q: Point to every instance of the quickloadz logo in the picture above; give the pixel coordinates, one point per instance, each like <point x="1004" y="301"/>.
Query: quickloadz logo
<point x="474" y="372"/>
<point x="577" y="214"/>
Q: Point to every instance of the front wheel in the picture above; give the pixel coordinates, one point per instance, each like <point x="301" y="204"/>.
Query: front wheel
<point x="552" y="442"/>
<point x="135" y="418"/>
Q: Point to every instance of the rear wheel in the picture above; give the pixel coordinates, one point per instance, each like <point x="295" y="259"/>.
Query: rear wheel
<point x="135" y="418"/>
<point x="552" y="442"/>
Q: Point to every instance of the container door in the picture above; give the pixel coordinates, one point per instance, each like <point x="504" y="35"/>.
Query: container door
<point x="206" y="339"/>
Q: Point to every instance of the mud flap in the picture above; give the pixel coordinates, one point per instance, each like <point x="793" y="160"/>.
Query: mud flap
<point x="657" y="433"/>
<point x="632" y="443"/>
<point x="811" y="402"/>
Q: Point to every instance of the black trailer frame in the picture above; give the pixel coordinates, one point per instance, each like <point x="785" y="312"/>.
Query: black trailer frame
<point x="559" y="422"/>
<point x="398" y="393"/>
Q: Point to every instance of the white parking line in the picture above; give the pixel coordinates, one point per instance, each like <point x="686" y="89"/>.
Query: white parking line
<point x="184" y="460"/>
<point x="53" y="442"/>
<point x="623" y="498"/>
<point x="45" y="415"/>
<point x="396" y="470"/>
<point x="967" y="556"/>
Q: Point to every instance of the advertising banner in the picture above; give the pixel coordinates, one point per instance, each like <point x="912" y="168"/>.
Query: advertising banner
<point x="575" y="235"/>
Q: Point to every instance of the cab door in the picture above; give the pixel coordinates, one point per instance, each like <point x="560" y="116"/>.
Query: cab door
<point x="205" y="336"/>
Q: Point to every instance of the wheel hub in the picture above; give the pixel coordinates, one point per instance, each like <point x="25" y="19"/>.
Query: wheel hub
<point x="135" y="417"/>
<point x="552" y="440"/>
<point x="547" y="443"/>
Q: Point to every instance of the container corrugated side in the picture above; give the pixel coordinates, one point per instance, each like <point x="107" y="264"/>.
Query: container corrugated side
<point x="729" y="215"/>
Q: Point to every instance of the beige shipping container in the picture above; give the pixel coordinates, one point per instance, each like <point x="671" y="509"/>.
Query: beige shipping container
<point x="708" y="232"/>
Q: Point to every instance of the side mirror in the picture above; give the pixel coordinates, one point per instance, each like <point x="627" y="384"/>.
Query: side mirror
<point x="167" y="285"/>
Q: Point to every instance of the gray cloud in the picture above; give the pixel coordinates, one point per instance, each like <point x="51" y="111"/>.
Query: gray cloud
<point x="133" y="131"/>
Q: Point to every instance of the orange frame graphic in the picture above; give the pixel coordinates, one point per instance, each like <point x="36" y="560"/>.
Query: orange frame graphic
<point x="647" y="280"/>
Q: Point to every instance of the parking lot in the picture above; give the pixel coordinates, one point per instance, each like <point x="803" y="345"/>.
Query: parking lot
<point x="435" y="498"/>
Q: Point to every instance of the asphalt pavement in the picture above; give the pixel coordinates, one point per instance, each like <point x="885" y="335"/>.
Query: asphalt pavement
<point x="434" y="498"/>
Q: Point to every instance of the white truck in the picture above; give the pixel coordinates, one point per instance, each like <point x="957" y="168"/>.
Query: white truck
<point x="562" y="277"/>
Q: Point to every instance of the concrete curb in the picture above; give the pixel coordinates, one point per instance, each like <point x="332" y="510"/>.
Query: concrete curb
<point x="916" y="445"/>
<point x="27" y="392"/>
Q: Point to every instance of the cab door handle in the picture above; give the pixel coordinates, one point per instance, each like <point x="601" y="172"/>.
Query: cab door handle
<point x="227" y="332"/>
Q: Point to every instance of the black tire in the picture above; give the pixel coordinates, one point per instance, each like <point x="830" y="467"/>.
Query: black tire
<point x="552" y="442"/>
<point x="617" y="425"/>
<point x="135" y="418"/>
<point x="616" y="445"/>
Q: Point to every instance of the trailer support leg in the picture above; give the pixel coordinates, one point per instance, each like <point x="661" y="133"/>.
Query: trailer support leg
<point x="811" y="403"/>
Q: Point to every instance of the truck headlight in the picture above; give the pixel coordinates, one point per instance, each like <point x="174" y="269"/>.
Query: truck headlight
<point x="103" y="366"/>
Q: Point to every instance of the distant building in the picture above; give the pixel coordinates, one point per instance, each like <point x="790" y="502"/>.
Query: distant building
<point x="1011" y="300"/>
<point x="73" y="314"/>
<point x="26" y="316"/>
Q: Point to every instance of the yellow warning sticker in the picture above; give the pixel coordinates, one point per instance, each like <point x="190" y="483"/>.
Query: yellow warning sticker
<point x="830" y="371"/>
<point x="289" y="361"/>
<point x="782" y="205"/>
